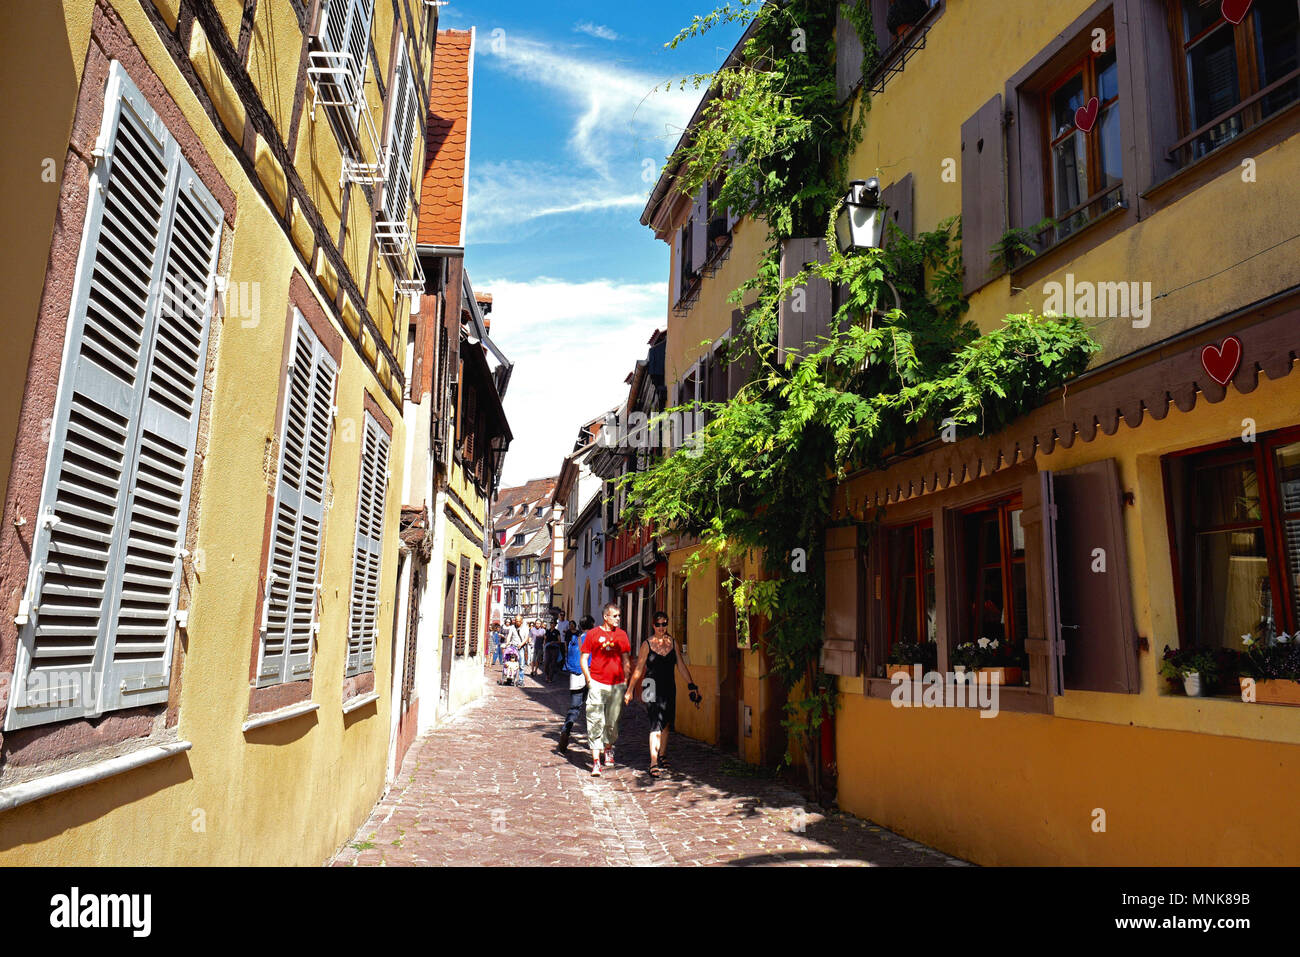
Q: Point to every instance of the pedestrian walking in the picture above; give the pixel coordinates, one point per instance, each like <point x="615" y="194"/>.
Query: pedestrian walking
<point x="538" y="634"/>
<point x="656" y="663"/>
<point x="577" y="679"/>
<point x="515" y="636"/>
<point x="495" y="638"/>
<point x="606" y="660"/>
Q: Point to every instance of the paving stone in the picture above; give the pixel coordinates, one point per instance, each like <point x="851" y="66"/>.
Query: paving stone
<point x="489" y="788"/>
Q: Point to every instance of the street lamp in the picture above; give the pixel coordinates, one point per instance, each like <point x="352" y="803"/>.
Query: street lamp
<point x="860" y="224"/>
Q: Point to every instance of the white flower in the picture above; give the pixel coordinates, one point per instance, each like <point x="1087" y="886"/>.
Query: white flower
<point x="994" y="643"/>
<point x="983" y="642"/>
<point x="1247" y="640"/>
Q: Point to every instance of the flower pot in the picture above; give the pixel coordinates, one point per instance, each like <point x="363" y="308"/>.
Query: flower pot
<point x="1003" y="676"/>
<point x="1193" y="685"/>
<point x="1278" y="691"/>
<point x="891" y="670"/>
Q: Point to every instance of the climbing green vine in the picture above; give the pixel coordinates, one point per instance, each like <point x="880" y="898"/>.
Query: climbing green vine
<point x="901" y="359"/>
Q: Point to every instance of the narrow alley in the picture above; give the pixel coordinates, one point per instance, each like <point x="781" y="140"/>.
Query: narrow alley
<point x="489" y="788"/>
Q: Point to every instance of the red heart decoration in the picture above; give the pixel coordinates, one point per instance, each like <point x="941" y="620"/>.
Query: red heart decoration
<point x="1222" y="362"/>
<point x="1085" y="117"/>
<point x="1234" y="11"/>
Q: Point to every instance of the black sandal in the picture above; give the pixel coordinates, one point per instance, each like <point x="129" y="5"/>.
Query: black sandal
<point x="655" y="771"/>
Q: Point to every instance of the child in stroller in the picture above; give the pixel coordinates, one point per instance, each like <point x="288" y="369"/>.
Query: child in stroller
<point x="510" y="673"/>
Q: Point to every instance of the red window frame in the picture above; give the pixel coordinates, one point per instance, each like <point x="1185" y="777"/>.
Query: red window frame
<point x="1261" y="453"/>
<point x="1085" y="65"/>
<point x="970" y="602"/>
<point x="893" y="584"/>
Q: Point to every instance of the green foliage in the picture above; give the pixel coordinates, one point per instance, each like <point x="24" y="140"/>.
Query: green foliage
<point x="1017" y="243"/>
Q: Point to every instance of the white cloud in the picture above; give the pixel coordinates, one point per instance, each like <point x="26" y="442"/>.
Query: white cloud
<point x="573" y="344"/>
<point x="509" y="199"/>
<point x="600" y="31"/>
<point x="619" y="108"/>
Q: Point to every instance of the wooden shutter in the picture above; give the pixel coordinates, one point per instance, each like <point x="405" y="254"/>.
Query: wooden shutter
<point x="401" y="141"/>
<point x="363" y="618"/>
<point x="800" y="330"/>
<point x="700" y="229"/>
<point x="983" y="210"/>
<point x="844" y="607"/>
<point x="897" y="199"/>
<point x="879" y="23"/>
<point x="733" y="215"/>
<point x="106" y="556"/>
<point x="675" y="270"/>
<point x="740" y="370"/>
<point x="462" y="606"/>
<point x="1095" y="632"/>
<point x="475" y="588"/>
<point x="289" y="612"/>
<point x="1145" y="42"/>
<point x="848" y="55"/>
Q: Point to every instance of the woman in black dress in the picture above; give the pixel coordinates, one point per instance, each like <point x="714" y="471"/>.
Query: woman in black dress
<point x="655" y="662"/>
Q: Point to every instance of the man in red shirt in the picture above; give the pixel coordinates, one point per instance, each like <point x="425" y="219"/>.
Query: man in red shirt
<point x="606" y="662"/>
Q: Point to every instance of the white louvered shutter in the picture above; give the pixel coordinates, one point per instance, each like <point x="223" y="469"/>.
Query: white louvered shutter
<point x="105" y="564"/>
<point x="347" y="30"/>
<point x="298" y="517"/>
<point x="401" y="141"/>
<point x="363" y="620"/>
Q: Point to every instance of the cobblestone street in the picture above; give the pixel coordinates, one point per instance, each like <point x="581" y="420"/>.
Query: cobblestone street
<point x="489" y="788"/>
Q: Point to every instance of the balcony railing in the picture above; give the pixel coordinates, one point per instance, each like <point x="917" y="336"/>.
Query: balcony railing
<point x="1228" y="126"/>
<point x="628" y="545"/>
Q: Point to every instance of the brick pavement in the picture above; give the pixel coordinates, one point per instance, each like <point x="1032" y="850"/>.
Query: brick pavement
<point x="488" y="788"/>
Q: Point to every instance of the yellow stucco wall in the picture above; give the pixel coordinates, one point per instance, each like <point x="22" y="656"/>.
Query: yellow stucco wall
<point x="288" y="793"/>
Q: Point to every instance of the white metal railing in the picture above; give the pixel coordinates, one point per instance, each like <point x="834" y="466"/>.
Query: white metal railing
<point x="330" y="74"/>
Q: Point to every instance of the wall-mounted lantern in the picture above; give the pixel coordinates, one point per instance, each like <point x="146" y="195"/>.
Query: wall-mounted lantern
<point x="860" y="224"/>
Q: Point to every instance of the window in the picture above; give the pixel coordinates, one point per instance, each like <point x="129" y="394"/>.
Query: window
<point x="297" y="531"/>
<point x="992" y="582"/>
<point x="363" y="619"/>
<point x="1236" y="530"/>
<point x="97" y="619"/>
<point x="911" y="588"/>
<point x="1082" y="165"/>
<point x="519" y="539"/>
<point x="1233" y="76"/>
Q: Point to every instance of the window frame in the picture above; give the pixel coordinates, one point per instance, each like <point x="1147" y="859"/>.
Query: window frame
<point x="891" y="582"/>
<point x="1085" y="66"/>
<point x="1245" y="52"/>
<point x="1181" y="532"/>
<point x="1004" y="506"/>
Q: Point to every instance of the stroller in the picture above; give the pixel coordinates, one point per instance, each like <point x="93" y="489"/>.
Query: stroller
<point x="510" y="673"/>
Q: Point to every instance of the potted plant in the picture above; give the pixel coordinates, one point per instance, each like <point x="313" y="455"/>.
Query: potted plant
<point x="1274" y="666"/>
<point x="1193" y="668"/>
<point x="905" y="14"/>
<point x="905" y="654"/>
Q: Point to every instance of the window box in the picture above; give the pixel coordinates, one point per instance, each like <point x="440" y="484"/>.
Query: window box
<point x="1278" y="692"/>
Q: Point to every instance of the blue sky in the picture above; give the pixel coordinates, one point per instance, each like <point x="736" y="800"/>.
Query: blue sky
<point x="571" y="123"/>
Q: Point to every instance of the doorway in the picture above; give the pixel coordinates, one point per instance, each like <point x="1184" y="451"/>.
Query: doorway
<point x="448" y="623"/>
<point x="731" y="686"/>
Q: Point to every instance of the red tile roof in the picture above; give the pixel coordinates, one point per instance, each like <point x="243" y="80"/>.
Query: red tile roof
<point x="446" y="174"/>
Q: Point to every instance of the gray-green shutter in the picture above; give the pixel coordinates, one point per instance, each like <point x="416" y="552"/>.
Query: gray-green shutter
<point x="347" y="30"/>
<point x="363" y="619"/>
<point x="297" y="533"/>
<point x="105" y="560"/>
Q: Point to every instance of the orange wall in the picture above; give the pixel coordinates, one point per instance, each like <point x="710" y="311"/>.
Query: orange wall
<point x="1021" y="789"/>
